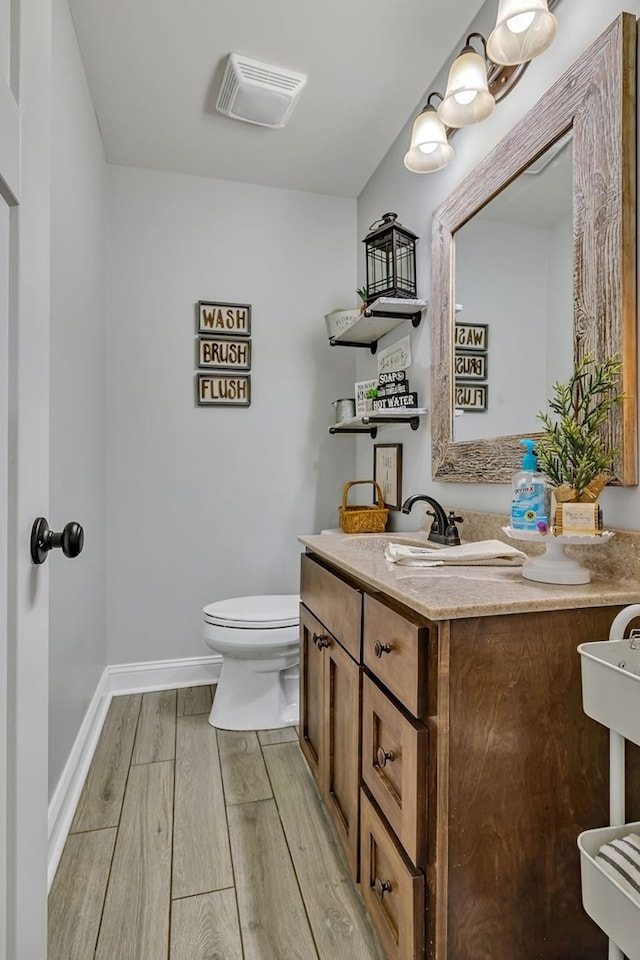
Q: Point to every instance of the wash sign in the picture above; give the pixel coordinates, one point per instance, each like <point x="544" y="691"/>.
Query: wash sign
<point x="229" y="319"/>
<point x="471" y="336"/>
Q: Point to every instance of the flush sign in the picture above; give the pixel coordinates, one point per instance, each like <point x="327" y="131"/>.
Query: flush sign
<point x="223" y="390"/>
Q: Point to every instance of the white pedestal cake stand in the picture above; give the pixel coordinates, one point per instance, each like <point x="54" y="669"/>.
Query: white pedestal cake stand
<point x="554" y="566"/>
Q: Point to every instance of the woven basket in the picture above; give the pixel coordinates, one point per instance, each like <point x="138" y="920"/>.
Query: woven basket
<point x="362" y="519"/>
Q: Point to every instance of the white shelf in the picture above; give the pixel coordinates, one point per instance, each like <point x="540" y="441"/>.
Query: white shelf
<point x="380" y="318"/>
<point x="397" y="305"/>
<point x="369" y="422"/>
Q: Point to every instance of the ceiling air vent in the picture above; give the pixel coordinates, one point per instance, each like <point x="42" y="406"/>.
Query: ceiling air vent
<point x="258" y="92"/>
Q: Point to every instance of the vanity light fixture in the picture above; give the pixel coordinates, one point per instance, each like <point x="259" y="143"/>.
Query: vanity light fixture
<point x="467" y="99"/>
<point x="524" y="29"/>
<point x="429" y="149"/>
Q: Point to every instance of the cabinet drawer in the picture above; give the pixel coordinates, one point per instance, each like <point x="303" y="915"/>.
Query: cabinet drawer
<point x="337" y="605"/>
<point x="394" y="767"/>
<point x="395" y="650"/>
<point x="392" y="888"/>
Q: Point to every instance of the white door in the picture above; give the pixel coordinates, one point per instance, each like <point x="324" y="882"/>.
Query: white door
<point x="25" y="82"/>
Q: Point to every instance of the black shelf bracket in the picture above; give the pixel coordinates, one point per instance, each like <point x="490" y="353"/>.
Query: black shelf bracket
<point x="350" y="343"/>
<point x="414" y="317"/>
<point x="372" y="431"/>
<point x="414" y="422"/>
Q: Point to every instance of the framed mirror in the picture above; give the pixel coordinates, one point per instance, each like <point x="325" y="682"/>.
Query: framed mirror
<point x="587" y="116"/>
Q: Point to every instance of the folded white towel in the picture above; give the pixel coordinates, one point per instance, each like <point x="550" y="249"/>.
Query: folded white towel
<point x="621" y="860"/>
<point x="485" y="553"/>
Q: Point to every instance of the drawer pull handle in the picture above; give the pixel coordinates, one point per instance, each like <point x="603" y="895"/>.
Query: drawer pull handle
<point x="380" y="648"/>
<point x="383" y="757"/>
<point x="320" y="641"/>
<point x="382" y="887"/>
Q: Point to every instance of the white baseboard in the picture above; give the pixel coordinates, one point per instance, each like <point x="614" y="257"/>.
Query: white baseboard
<point x="163" y="674"/>
<point x="115" y="680"/>
<point x="67" y="793"/>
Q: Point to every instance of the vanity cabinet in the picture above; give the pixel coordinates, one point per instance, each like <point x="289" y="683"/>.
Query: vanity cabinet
<point x="478" y="768"/>
<point x="331" y="684"/>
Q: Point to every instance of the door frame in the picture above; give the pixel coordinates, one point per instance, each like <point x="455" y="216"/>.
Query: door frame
<point x="25" y="96"/>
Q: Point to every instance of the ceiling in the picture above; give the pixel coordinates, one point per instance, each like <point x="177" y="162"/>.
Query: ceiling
<point x="154" y="69"/>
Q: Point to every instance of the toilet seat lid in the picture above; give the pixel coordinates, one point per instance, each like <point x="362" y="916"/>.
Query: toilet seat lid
<point x="255" y="613"/>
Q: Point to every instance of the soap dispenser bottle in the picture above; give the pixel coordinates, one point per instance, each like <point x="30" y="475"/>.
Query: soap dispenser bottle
<point x="530" y="499"/>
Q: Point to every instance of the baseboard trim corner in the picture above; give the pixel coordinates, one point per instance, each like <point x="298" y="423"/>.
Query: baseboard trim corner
<point x="117" y="679"/>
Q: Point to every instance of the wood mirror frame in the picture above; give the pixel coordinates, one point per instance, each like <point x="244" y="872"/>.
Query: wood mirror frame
<point x="596" y="97"/>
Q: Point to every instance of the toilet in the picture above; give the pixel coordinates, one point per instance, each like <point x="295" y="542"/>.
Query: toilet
<point x="258" y="638"/>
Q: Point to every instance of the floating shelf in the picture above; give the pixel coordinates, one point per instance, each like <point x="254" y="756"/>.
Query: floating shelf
<point x="381" y="317"/>
<point x="368" y="422"/>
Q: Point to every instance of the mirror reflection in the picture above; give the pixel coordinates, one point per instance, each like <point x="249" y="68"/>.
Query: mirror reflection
<point x="514" y="300"/>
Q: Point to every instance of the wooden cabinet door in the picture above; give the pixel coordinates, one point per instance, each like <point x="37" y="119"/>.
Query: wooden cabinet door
<point x="343" y="683"/>
<point x="312" y="692"/>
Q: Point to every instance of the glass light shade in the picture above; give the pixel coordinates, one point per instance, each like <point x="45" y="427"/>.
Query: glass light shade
<point x="429" y="149"/>
<point x="524" y="29"/>
<point x="467" y="99"/>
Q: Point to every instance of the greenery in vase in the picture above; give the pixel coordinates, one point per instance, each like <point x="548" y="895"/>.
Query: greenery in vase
<point x="362" y="293"/>
<point x="571" y="451"/>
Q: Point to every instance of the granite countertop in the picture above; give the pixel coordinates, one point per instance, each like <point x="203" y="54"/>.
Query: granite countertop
<point x="440" y="593"/>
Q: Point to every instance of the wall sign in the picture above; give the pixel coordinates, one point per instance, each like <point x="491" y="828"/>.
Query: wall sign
<point x="223" y="353"/>
<point x="223" y="390"/>
<point x="387" y="471"/>
<point x="471" y="336"/>
<point x="395" y="357"/>
<point x="470" y="366"/>
<point x="224" y="343"/>
<point x="232" y="319"/>
<point x="471" y="397"/>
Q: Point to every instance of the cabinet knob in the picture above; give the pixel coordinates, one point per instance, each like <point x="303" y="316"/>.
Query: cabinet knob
<point x="384" y="757"/>
<point x="380" y="648"/>
<point x="381" y="887"/>
<point x="321" y="640"/>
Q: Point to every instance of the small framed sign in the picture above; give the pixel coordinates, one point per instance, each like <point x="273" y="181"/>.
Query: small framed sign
<point x="470" y="366"/>
<point x="471" y="397"/>
<point x="387" y="472"/>
<point x="224" y="389"/>
<point x="222" y="353"/>
<point x="471" y="336"/>
<point x="224" y="319"/>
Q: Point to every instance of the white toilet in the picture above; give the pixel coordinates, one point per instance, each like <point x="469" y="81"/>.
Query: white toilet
<point x="258" y="638"/>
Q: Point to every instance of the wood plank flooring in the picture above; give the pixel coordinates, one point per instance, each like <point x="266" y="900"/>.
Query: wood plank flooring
<point x="195" y="844"/>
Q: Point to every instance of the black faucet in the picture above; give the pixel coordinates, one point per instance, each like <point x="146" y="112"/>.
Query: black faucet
<point x="443" y="529"/>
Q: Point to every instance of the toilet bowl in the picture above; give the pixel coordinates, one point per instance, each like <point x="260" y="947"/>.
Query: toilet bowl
<point x="258" y="638"/>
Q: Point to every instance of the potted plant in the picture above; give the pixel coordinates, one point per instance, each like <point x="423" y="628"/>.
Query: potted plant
<point x="371" y="396"/>
<point x="571" y="452"/>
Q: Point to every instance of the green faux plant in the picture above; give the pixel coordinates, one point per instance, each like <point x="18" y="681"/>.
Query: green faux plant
<point x="362" y="293"/>
<point x="372" y="393"/>
<point x="571" y="451"/>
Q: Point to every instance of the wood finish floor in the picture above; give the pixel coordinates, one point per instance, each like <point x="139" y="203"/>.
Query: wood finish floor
<point x="195" y="844"/>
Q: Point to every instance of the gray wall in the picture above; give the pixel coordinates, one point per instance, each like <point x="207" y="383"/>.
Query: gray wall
<point x="78" y="394"/>
<point x="205" y="502"/>
<point x="415" y="197"/>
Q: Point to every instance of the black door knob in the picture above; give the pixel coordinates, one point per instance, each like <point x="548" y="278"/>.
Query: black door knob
<point x="71" y="540"/>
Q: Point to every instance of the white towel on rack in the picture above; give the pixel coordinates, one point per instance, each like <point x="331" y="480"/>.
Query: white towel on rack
<point x="621" y="860"/>
<point x="484" y="553"/>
